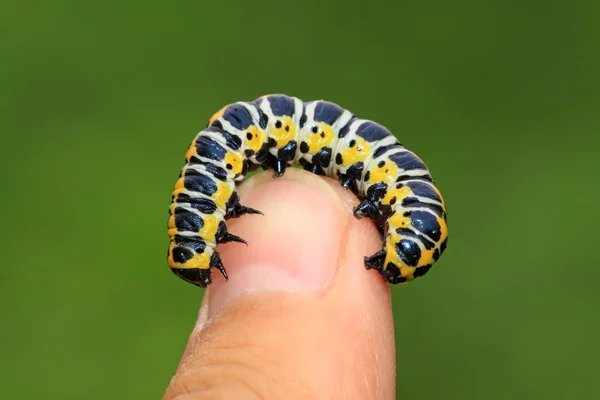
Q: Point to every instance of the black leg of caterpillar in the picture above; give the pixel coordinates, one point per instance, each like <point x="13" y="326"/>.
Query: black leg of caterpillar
<point x="238" y="210"/>
<point x="228" y="237"/>
<point x="223" y="236"/>
<point x="273" y="162"/>
<point x="366" y="208"/>
<point x="315" y="169"/>
<point x="279" y="168"/>
<point x="381" y="233"/>
<point x="375" y="261"/>
<point x="349" y="182"/>
<point x="215" y="262"/>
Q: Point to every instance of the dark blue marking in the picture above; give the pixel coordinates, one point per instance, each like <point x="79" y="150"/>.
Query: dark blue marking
<point x="238" y="116"/>
<point x="409" y="252"/>
<point x="327" y="112"/>
<point x="403" y="178"/>
<point x="382" y="149"/>
<point x="426" y="223"/>
<point x="197" y="244"/>
<point x="216" y="171"/>
<point x="263" y="119"/>
<point x="424" y="189"/>
<point x="303" y="119"/>
<point x="208" y="148"/>
<point x="406" y="232"/>
<point x="200" y="183"/>
<point x="231" y="140"/>
<point x="371" y="131"/>
<point x="407" y="160"/>
<point x="413" y="202"/>
<point x="205" y="206"/>
<point x="346" y="128"/>
<point x="187" y="221"/>
<point x="215" y="127"/>
<point x="282" y="105"/>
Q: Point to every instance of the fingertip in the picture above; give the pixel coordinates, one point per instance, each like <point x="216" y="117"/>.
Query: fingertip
<point x="293" y="247"/>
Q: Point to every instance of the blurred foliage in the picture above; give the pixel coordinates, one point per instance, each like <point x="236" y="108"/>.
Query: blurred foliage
<point x="99" y="101"/>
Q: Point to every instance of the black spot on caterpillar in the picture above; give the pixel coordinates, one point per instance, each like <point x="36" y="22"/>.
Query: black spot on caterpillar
<point x="395" y="188"/>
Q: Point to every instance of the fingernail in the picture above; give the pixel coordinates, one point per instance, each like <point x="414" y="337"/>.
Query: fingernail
<point x="294" y="247"/>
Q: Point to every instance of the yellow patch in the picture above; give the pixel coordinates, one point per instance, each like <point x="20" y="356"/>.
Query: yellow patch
<point x="180" y="184"/>
<point x="323" y="137"/>
<point x="390" y="249"/>
<point x="222" y="195"/>
<point x="443" y="230"/>
<point x="426" y="257"/>
<point x="284" y="134"/>
<point x="217" y="115"/>
<point x="408" y="272"/>
<point x="201" y="261"/>
<point x="209" y="229"/>
<point x="399" y="194"/>
<point x="257" y="139"/>
<point x="178" y="191"/>
<point x="191" y="151"/>
<point x="392" y="256"/>
<point x="170" y="260"/>
<point x="359" y="152"/>
<point x="235" y="161"/>
<point x="171" y="224"/>
<point x="386" y="173"/>
<point x="399" y="221"/>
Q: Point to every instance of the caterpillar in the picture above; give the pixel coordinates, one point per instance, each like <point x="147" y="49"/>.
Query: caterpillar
<point x="393" y="185"/>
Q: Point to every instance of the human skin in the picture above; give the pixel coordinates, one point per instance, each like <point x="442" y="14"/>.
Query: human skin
<point x="300" y="317"/>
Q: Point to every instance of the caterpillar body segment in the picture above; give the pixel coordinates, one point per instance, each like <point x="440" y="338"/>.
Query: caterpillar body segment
<point x="278" y="131"/>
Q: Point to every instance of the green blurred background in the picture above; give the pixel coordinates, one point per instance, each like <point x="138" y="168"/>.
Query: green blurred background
<point x="98" y="104"/>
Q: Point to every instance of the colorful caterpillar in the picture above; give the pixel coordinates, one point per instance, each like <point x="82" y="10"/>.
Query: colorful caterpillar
<point x="277" y="131"/>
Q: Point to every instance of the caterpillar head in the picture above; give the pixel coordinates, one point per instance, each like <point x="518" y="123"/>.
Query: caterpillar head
<point x="407" y="255"/>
